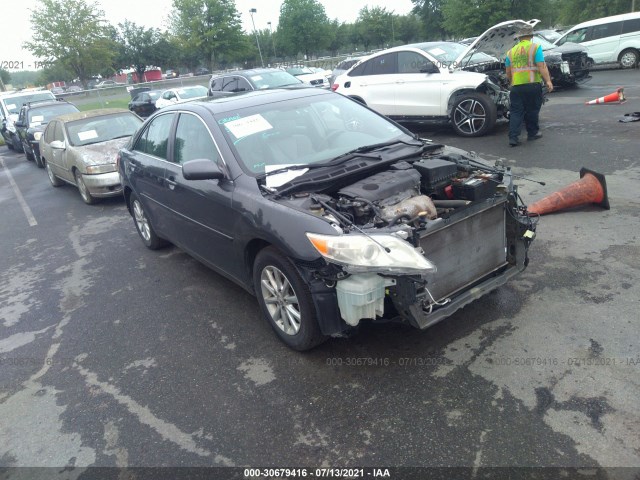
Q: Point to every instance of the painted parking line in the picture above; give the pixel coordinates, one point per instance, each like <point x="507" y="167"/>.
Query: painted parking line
<point x="25" y="208"/>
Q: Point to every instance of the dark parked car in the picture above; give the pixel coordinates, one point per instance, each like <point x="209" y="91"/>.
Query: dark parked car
<point x="325" y="210"/>
<point x="202" y="71"/>
<point x="144" y="103"/>
<point x="32" y="121"/>
<point x="568" y="64"/>
<point x="254" y="79"/>
<point x="172" y="73"/>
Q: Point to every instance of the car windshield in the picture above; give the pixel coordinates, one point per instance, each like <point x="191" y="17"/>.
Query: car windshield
<point x="102" y="128"/>
<point x="13" y="104"/>
<point x="273" y="80"/>
<point x="445" y="52"/>
<point x="543" y="42"/>
<point x="304" y="131"/>
<point x="299" y="71"/>
<point x="40" y="116"/>
<point x="192" y="92"/>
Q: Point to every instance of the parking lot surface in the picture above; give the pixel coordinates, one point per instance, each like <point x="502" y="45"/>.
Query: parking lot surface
<point x="114" y="355"/>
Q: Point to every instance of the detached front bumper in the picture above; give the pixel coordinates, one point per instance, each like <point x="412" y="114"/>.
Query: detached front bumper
<point x="103" y="184"/>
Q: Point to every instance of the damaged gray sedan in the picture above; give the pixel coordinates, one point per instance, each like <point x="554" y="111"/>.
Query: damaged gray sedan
<point x="80" y="148"/>
<point x="328" y="212"/>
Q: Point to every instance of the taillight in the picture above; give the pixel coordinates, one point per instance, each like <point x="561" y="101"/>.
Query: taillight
<point x="334" y="87"/>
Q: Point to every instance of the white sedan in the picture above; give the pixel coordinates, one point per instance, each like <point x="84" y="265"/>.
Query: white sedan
<point x="181" y="94"/>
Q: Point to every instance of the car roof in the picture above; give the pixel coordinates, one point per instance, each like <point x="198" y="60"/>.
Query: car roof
<point x="44" y="103"/>
<point x="247" y="99"/>
<point x="249" y="72"/>
<point x="70" y="117"/>
<point x="23" y="93"/>
<point x="613" y="18"/>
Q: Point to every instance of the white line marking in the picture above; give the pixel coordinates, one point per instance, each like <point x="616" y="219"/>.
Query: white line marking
<point x="25" y="208"/>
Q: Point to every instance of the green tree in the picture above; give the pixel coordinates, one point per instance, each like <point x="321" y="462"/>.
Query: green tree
<point x="141" y="48"/>
<point x="55" y="72"/>
<point x="430" y="12"/>
<point x="571" y="12"/>
<point x="408" y="29"/>
<point x="303" y="27"/>
<point x="375" y="27"/>
<point x="210" y="28"/>
<point x="72" y="33"/>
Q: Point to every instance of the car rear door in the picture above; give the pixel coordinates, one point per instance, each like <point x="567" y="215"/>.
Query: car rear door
<point x="603" y="40"/>
<point x="375" y="81"/>
<point x="146" y="164"/>
<point x="202" y="219"/>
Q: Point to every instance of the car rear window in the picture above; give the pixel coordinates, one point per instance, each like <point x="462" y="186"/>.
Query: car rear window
<point x="630" y="26"/>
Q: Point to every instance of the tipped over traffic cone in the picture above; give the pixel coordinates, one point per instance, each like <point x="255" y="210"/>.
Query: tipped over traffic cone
<point x="615" y="97"/>
<point x="591" y="188"/>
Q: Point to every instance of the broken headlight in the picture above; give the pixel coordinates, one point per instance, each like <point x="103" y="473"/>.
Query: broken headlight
<point x="372" y="253"/>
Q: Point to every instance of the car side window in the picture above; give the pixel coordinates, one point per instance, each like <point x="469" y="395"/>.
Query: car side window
<point x="411" y="62"/>
<point x="216" y="84"/>
<point x="382" y="65"/>
<point x="230" y="84"/>
<point x="630" y="26"/>
<point x="576" y="36"/>
<point x="49" y="133"/>
<point x="155" y="138"/>
<point x="193" y="141"/>
<point x="58" y="133"/>
<point x="606" y="30"/>
<point x="243" y="85"/>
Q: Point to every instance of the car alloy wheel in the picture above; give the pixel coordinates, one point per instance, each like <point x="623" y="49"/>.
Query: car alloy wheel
<point x="143" y="225"/>
<point x="285" y="300"/>
<point x="473" y="115"/>
<point x="55" y="181"/>
<point x="82" y="187"/>
<point x="629" y="59"/>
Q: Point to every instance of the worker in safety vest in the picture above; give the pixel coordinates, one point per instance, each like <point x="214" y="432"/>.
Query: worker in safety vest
<point x="525" y="71"/>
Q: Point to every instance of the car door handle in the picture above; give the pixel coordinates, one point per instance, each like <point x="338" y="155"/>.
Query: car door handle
<point x="171" y="182"/>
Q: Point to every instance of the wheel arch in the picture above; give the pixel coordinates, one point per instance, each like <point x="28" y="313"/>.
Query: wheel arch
<point x="459" y="93"/>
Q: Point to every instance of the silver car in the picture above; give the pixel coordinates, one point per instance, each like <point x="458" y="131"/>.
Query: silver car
<point x="80" y="148"/>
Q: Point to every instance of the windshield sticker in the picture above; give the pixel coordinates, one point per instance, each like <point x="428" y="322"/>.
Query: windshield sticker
<point x="256" y="78"/>
<point x="37" y="118"/>
<point x="248" y="125"/>
<point x="11" y="106"/>
<point x="437" y="51"/>
<point x="88" y="135"/>
<point x="278" y="179"/>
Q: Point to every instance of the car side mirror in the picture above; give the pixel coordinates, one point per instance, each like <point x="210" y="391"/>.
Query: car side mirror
<point x="58" y="145"/>
<point x="201" y="169"/>
<point x="19" y="124"/>
<point x="430" y="67"/>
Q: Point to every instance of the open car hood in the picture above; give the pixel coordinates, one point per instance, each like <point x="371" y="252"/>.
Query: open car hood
<point x="495" y="42"/>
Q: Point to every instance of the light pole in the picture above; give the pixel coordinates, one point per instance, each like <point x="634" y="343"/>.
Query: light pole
<point x="273" y="42"/>
<point x="252" y="11"/>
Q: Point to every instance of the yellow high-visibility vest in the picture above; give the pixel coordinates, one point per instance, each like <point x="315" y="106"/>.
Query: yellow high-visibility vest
<point x="523" y="65"/>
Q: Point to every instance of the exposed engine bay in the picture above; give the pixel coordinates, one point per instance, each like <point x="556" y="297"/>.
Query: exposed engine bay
<point x="458" y="213"/>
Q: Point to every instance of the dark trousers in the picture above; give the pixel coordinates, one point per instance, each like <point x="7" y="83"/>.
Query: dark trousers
<point x="526" y="101"/>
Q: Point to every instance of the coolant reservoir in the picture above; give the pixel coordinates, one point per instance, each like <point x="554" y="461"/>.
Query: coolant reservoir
<point x="360" y="296"/>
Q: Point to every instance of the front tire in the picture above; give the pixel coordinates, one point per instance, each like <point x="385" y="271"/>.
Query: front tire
<point x="473" y="115"/>
<point x="17" y="144"/>
<point x="29" y="156"/>
<point x="82" y="188"/>
<point x="629" y="58"/>
<point x="147" y="234"/>
<point x="285" y="300"/>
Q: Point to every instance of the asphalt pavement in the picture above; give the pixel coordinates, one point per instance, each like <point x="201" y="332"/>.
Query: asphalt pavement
<point x="112" y="355"/>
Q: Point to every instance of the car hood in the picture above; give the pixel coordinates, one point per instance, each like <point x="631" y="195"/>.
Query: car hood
<point x="568" y="47"/>
<point x="101" y="153"/>
<point x="496" y="41"/>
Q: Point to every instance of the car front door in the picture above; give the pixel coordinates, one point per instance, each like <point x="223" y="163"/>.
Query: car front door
<point x="417" y="93"/>
<point x="147" y="162"/>
<point x="56" y="155"/>
<point x="202" y="219"/>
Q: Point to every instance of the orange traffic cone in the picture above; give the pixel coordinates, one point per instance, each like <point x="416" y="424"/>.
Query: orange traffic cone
<point x="591" y="188"/>
<point x="615" y="97"/>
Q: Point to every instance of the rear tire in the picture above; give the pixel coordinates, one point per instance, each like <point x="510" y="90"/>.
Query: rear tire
<point x="147" y="234"/>
<point x="629" y="58"/>
<point x="473" y="115"/>
<point x="285" y="300"/>
<point x="55" y="181"/>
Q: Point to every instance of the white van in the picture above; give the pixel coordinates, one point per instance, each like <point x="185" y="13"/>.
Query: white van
<point x="609" y="39"/>
<point x="10" y="105"/>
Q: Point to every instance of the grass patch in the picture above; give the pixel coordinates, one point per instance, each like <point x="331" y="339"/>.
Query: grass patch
<point x="107" y="103"/>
